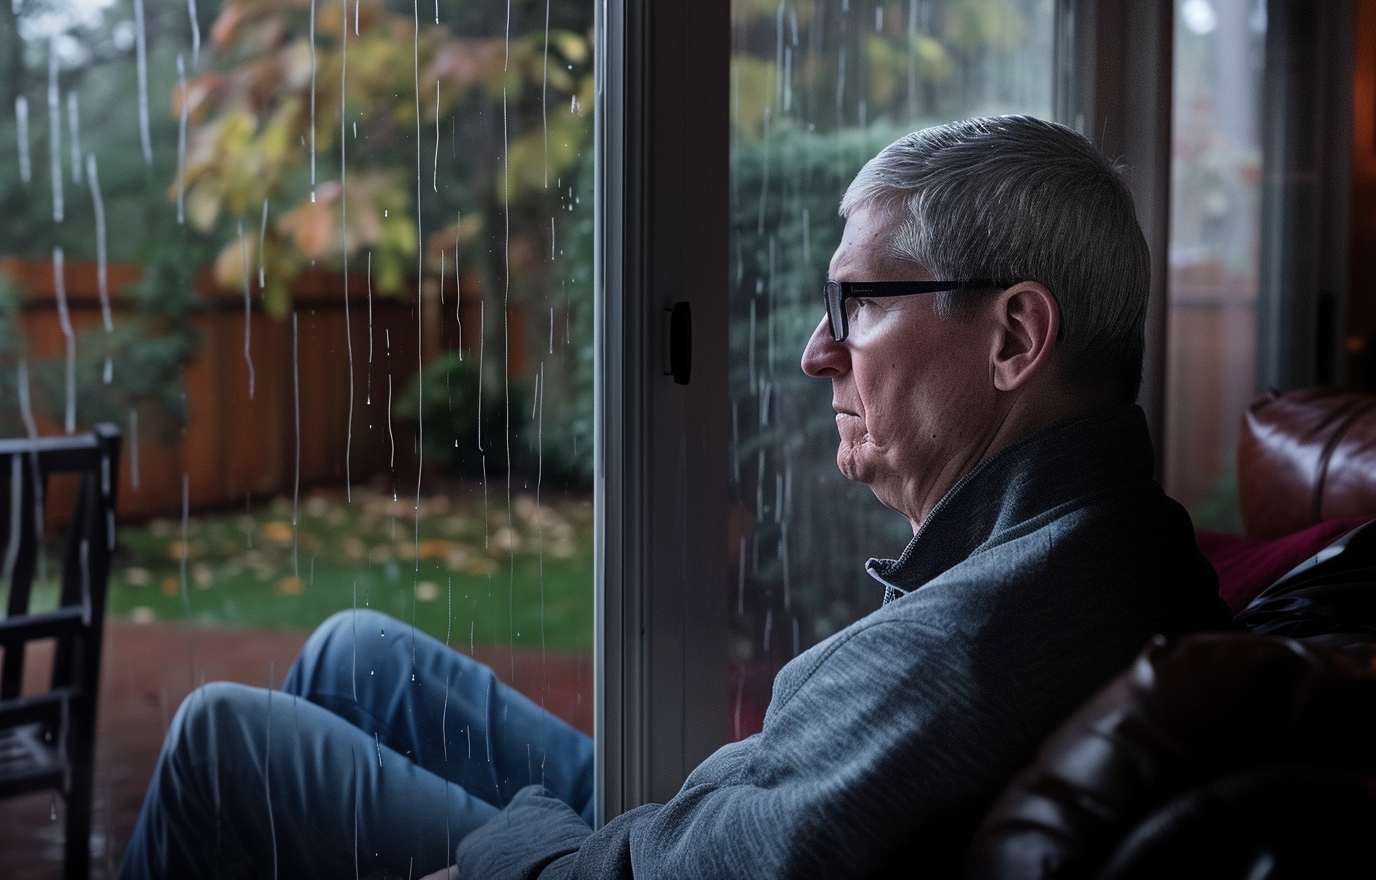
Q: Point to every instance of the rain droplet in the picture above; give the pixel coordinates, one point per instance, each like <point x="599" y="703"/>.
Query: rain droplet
<point x="134" y="448"/>
<point x="435" y="171"/>
<point x="74" y="135"/>
<point x="262" y="242"/>
<point x="21" y="125"/>
<point x="55" y="131"/>
<point x="64" y="318"/>
<point x="102" y="273"/>
<point x="296" y="483"/>
<point x="248" y="310"/>
<point x="141" y="54"/>
<point x="195" y="33"/>
<point x="313" y="72"/>
<point x="181" y="142"/>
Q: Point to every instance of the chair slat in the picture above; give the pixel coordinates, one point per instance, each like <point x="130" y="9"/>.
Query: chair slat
<point x="47" y="740"/>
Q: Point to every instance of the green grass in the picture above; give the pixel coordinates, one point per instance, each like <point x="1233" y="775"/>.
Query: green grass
<point x="477" y="575"/>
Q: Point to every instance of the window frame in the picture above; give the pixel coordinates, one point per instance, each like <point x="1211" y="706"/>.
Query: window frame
<point x="661" y="448"/>
<point x="660" y="488"/>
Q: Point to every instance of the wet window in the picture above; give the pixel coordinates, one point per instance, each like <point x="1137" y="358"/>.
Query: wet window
<point x="327" y="266"/>
<point x="816" y="90"/>
<point x="1215" y="232"/>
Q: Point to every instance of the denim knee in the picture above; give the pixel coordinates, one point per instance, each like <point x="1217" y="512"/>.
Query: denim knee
<point x="342" y="628"/>
<point x="212" y="717"/>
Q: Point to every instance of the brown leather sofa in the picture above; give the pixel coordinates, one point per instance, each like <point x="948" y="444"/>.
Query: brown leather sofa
<point x="1249" y="754"/>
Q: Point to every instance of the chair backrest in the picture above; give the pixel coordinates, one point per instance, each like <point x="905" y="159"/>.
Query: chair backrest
<point x="48" y="738"/>
<point x="1306" y="457"/>
<point x="26" y="467"/>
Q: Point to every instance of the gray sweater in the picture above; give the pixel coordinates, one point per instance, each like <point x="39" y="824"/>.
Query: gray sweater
<point x="1038" y="577"/>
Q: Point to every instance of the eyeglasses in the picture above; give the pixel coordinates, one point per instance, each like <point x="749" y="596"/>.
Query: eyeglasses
<point x="835" y="293"/>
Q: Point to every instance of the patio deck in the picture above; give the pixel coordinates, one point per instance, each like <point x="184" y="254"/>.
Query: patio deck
<point x="149" y="668"/>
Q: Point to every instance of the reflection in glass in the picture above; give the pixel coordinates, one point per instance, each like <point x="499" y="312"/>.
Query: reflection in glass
<point x="817" y="89"/>
<point x="1215" y="225"/>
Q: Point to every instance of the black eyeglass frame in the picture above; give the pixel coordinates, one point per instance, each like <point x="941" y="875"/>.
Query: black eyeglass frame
<point x="835" y="294"/>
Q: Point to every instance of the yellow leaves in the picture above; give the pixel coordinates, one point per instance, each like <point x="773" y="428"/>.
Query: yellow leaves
<point x="456" y="235"/>
<point x="229" y="266"/>
<point x="975" y="24"/>
<point x="436" y="548"/>
<point x="250" y="25"/>
<point x="398" y="238"/>
<point x="290" y="586"/>
<point x="252" y="131"/>
<point x="752" y="83"/>
<point x="277" y="531"/>
<point x="885" y="68"/>
<point x="575" y="48"/>
<point x="197" y="96"/>
<point x="933" y="61"/>
<point x="887" y="65"/>
<point x="223" y="170"/>
<point x="539" y="157"/>
<point x="467" y="63"/>
<point x="312" y="226"/>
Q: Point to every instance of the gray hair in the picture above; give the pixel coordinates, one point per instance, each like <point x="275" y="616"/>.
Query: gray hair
<point x="1013" y="199"/>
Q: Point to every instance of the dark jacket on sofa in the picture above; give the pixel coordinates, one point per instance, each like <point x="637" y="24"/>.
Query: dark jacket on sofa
<point x="1034" y="581"/>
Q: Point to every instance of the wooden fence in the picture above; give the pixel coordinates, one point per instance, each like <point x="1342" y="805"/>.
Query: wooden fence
<point x="241" y="441"/>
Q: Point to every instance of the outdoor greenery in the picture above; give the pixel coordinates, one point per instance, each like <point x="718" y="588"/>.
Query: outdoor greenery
<point x="366" y="136"/>
<point x="817" y="90"/>
<point x="315" y="134"/>
<point x="459" y="567"/>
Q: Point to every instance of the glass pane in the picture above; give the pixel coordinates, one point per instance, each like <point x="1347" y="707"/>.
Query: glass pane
<point x="1215" y="224"/>
<point x="327" y="265"/>
<point x="817" y="89"/>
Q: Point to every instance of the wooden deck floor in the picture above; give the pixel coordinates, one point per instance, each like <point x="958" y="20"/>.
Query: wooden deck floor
<point x="149" y="668"/>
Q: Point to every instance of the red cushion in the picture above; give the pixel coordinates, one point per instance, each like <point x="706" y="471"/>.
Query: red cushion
<point x="1248" y="565"/>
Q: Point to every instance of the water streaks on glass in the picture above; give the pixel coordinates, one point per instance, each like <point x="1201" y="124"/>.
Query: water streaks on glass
<point x="141" y="50"/>
<point x="64" y="319"/>
<point x="181" y="140"/>
<point x="21" y="126"/>
<point x="487" y="407"/>
<point x="816" y="90"/>
<point x="55" y="132"/>
<point x="74" y="134"/>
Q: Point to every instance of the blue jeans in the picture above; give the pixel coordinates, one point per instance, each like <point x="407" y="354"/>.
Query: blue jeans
<point x="383" y="749"/>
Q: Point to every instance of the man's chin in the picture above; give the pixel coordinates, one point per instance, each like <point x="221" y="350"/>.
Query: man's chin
<point x="848" y="466"/>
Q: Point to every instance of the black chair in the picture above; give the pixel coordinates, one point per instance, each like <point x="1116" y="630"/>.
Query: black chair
<point x="47" y="740"/>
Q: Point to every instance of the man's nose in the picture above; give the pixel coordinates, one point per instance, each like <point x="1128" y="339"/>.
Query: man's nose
<point x="823" y="356"/>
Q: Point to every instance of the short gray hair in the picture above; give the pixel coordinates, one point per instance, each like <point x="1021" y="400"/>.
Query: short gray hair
<point x="1012" y="198"/>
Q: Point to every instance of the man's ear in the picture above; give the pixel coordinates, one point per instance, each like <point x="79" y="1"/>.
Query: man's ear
<point x="1027" y="321"/>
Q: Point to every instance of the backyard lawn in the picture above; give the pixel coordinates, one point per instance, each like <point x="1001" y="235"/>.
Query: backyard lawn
<point x="459" y="567"/>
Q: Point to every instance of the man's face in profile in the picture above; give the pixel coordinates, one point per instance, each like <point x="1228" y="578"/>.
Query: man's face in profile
<point x="910" y="389"/>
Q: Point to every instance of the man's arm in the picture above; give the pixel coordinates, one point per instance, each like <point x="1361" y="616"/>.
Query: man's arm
<point x="860" y="757"/>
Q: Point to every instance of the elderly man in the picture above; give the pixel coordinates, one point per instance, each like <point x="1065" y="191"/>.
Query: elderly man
<point x="983" y="337"/>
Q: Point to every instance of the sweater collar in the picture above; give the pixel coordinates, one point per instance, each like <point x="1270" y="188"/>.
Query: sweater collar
<point x="1029" y="478"/>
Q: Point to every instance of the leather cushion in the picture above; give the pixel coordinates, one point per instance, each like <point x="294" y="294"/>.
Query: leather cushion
<point x="1188" y="712"/>
<point x="1281" y="823"/>
<point x="1305" y="457"/>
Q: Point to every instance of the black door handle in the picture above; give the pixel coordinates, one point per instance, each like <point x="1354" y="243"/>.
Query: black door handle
<point x="679" y="360"/>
